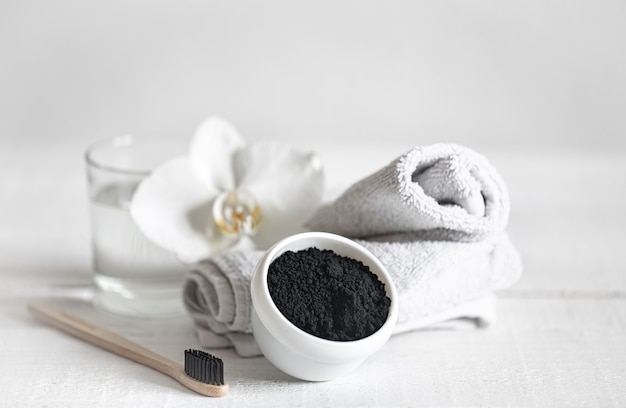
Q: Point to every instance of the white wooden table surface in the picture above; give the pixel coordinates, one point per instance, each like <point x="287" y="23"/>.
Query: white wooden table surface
<point x="560" y="339"/>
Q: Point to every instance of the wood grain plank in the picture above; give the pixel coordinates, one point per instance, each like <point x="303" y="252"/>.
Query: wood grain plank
<point x="543" y="352"/>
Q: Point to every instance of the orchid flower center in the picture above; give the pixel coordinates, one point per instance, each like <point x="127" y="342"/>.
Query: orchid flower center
<point x="237" y="213"/>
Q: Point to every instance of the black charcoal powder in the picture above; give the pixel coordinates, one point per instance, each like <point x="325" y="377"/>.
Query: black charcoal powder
<point x="328" y="295"/>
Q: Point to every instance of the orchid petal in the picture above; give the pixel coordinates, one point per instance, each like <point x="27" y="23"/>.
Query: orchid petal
<point x="173" y="209"/>
<point x="211" y="152"/>
<point x="286" y="183"/>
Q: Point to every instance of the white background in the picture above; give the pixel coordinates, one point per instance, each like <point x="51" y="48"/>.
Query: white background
<point x="483" y="73"/>
<point x="538" y="86"/>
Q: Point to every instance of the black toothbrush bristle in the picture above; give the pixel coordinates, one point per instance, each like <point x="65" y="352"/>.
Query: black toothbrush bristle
<point x="204" y="367"/>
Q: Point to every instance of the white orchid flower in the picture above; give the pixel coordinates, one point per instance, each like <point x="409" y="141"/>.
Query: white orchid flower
<point x="226" y="191"/>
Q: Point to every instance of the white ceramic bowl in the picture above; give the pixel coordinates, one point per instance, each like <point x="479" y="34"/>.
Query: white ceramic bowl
<point x="301" y="354"/>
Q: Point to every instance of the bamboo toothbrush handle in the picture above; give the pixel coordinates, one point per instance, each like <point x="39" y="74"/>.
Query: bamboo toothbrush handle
<point x="119" y="345"/>
<point x="104" y="338"/>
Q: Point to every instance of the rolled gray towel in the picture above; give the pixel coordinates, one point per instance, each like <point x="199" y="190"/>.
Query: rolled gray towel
<point x="441" y="191"/>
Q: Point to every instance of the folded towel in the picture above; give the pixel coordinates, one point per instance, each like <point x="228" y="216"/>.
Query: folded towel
<point x="435" y="217"/>
<point x="436" y="281"/>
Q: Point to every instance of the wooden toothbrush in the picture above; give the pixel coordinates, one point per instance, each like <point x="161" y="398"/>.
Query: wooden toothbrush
<point x="202" y="372"/>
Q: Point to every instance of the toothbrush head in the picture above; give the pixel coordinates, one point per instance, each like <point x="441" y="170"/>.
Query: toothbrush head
<point x="205" y="373"/>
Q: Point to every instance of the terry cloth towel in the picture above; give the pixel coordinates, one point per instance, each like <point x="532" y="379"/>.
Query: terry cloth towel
<point x="435" y="217"/>
<point x="441" y="192"/>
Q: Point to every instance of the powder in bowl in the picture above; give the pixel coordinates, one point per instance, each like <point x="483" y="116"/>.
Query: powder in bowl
<point x="328" y="295"/>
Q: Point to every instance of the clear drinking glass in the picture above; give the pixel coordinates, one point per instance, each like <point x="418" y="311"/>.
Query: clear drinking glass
<point x="132" y="275"/>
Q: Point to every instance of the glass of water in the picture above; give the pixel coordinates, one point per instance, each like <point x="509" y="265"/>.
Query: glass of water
<point x="132" y="275"/>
